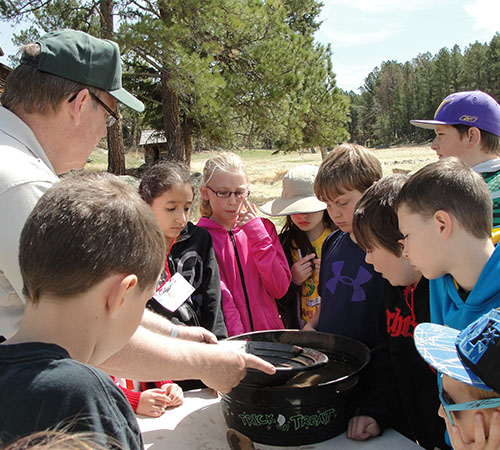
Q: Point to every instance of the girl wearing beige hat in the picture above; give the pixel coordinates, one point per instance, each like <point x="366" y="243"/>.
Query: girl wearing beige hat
<point x="307" y="226"/>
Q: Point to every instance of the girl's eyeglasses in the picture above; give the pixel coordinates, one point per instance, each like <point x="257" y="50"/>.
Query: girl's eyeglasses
<point x="448" y="406"/>
<point x="227" y="194"/>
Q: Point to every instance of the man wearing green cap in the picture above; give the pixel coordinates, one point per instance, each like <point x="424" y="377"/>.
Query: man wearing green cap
<point x="55" y="108"/>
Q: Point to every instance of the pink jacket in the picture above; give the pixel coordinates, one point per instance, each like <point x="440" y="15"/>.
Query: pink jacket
<point x="265" y="271"/>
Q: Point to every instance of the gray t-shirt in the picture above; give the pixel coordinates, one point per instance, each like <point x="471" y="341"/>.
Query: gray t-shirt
<point x="25" y="175"/>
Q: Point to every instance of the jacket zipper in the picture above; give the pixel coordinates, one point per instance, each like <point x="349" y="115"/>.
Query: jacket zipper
<point x="242" y="279"/>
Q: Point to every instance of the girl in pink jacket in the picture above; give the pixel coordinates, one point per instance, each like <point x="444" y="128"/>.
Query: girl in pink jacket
<point x="254" y="271"/>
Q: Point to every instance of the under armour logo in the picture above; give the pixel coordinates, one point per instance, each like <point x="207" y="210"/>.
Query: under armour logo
<point x="363" y="276"/>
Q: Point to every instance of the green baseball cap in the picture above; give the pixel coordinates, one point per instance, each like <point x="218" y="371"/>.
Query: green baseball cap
<point x="83" y="58"/>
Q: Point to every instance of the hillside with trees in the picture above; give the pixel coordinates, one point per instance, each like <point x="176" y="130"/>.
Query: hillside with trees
<point x="395" y="93"/>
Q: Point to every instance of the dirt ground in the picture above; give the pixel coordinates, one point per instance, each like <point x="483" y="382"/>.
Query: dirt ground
<point x="266" y="171"/>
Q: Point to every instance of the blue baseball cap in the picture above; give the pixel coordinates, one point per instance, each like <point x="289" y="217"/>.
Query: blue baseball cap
<point x="471" y="108"/>
<point x="471" y="356"/>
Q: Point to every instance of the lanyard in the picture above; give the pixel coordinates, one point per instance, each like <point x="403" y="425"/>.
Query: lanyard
<point x="168" y="277"/>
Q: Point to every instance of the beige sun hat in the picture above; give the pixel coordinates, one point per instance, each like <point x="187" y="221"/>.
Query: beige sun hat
<point x="297" y="196"/>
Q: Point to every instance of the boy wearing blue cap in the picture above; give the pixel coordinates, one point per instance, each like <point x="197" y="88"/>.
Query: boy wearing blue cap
<point x="467" y="362"/>
<point x="467" y="126"/>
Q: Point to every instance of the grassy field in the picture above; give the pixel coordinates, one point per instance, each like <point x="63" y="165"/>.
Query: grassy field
<point x="266" y="171"/>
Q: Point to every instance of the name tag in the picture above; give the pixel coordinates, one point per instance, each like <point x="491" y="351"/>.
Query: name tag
<point x="174" y="292"/>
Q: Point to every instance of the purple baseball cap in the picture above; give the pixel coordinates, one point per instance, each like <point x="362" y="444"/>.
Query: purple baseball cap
<point x="472" y="108"/>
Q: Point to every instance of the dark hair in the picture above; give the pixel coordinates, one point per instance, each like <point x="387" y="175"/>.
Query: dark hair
<point x="37" y="91"/>
<point x="161" y="178"/>
<point x="452" y="186"/>
<point x="291" y="236"/>
<point x="84" y="229"/>
<point x="346" y="167"/>
<point x="375" y="222"/>
<point x="489" y="141"/>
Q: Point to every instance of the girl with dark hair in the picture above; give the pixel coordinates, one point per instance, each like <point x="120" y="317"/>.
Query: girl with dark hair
<point x="307" y="226"/>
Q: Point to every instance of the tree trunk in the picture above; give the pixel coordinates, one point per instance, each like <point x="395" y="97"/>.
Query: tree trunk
<point x="171" y="121"/>
<point x="324" y="152"/>
<point x="187" y="136"/>
<point x="116" y="155"/>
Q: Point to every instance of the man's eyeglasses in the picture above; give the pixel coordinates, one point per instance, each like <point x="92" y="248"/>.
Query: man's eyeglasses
<point x="448" y="406"/>
<point x="113" y="116"/>
<point x="226" y="194"/>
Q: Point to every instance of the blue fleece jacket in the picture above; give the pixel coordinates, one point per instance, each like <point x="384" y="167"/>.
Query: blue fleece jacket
<point x="448" y="308"/>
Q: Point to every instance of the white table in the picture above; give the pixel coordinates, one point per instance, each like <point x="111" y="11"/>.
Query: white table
<point x="199" y="425"/>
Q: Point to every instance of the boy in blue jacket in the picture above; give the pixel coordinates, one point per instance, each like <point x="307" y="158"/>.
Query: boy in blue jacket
<point x="445" y="216"/>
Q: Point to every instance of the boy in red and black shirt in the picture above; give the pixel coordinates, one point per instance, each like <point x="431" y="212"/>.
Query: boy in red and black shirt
<point x="399" y="390"/>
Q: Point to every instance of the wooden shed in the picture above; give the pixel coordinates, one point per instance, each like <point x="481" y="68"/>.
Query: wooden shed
<point x="4" y="71"/>
<point x="152" y="142"/>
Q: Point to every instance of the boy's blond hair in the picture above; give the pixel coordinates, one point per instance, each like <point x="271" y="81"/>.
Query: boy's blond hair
<point x="347" y="167"/>
<point x="226" y="162"/>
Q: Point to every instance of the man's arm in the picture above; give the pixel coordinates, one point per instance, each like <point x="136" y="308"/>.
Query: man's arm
<point x="161" y="325"/>
<point x="149" y="356"/>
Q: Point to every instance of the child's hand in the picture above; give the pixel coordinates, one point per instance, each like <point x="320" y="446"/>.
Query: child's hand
<point x="303" y="269"/>
<point x="313" y="322"/>
<point x="361" y="428"/>
<point x="309" y="327"/>
<point x="174" y="394"/>
<point x="481" y="442"/>
<point x="247" y="213"/>
<point x="317" y="264"/>
<point x="152" y="403"/>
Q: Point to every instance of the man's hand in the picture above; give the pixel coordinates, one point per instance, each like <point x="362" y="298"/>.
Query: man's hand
<point x="361" y="428"/>
<point x="228" y="368"/>
<point x="196" y="334"/>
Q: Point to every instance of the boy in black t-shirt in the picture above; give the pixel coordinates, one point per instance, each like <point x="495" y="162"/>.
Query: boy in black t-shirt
<point x="399" y="389"/>
<point x="90" y="254"/>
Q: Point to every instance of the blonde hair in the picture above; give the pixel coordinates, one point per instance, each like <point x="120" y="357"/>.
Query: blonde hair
<point x="224" y="162"/>
<point x="64" y="439"/>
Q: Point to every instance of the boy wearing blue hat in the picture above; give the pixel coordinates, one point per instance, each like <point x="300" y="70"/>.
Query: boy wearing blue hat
<point x="467" y="362"/>
<point x="467" y="126"/>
